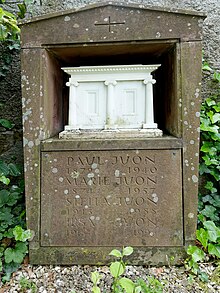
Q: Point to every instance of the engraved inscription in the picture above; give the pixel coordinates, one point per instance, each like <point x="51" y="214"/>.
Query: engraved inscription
<point x="108" y="198"/>
<point x="131" y="194"/>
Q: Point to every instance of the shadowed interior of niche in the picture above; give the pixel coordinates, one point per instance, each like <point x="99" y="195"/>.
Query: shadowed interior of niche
<point x="166" y="102"/>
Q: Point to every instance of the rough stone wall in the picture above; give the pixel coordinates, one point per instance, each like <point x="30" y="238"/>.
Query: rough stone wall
<point x="10" y="94"/>
<point x="11" y="109"/>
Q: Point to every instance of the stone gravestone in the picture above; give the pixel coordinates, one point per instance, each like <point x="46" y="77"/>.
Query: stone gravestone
<point x="96" y="188"/>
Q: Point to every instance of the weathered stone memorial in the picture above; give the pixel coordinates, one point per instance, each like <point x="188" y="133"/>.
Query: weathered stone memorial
<point x="111" y="101"/>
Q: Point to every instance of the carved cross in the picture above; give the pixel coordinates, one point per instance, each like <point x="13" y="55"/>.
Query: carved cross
<point x="110" y="23"/>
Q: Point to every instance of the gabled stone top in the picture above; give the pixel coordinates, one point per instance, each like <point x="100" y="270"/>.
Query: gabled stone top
<point x="111" y="22"/>
<point x="113" y="4"/>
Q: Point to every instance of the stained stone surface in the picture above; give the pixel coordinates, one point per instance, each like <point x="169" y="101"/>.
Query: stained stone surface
<point x="87" y="195"/>
<point x="111" y="198"/>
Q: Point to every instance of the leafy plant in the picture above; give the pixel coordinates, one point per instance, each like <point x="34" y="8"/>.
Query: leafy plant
<point x="122" y="284"/>
<point x="10" y="34"/>
<point x="13" y="236"/>
<point x="210" y="122"/>
<point x="8" y="26"/>
<point x="209" y="208"/>
<point x="209" y="200"/>
<point x="153" y="286"/>
<point x="209" y="239"/>
<point x="6" y="123"/>
<point x="26" y="284"/>
<point x="95" y="277"/>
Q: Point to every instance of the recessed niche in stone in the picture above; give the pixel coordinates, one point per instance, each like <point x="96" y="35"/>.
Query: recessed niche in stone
<point x="166" y="106"/>
<point x="111" y="98"/>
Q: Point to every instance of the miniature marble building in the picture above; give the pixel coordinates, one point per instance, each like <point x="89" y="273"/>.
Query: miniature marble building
<point x="111" y="98"/>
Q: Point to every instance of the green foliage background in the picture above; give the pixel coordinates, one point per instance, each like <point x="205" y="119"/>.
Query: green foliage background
<point x="13" y="233"/>
<point x="208" y="233"/>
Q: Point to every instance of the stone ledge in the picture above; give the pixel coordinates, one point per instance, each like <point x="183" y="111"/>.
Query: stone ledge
<point x="84" y="142"/>
<point x="115" y="133"/>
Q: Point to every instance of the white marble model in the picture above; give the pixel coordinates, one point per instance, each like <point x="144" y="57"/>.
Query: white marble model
<point x="111" y="98"/>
